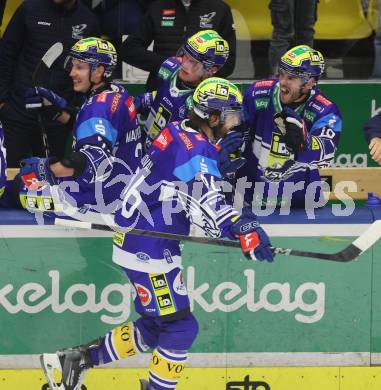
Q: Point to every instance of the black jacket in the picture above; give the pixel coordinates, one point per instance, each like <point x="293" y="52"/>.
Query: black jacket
<point x="35" y="26"/>
<point x="169" y="24"/>
<point x="372" y="128"/>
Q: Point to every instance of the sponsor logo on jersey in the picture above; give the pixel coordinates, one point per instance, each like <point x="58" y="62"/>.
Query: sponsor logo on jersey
<point x="129" y="103"/>
<point x="200" y="137"/>
<point x="317" y="107"/>
<point x="158" y="281"/>
<point x="141" y="256"/>
<point x="144" y="294"/>
<point x="168" y="17"/>
<point x="164" y="73"/>
<point x="163" y="140"/>
<point x="162" y="117"/>
<point x="31" y="182"/>
<point x="278" y="146"/>
<point x="264" y="83"/>
<point x="165" y="302"/>
<point x="102" y="97"/>
<point x="168" y="11"/>
<point x="118" y="238"/>
<point x="186" y="141"/>
<point x="323" y="100"/>
<point x="115" y="102"/>
<point x="262" y="103"/>
<point x="261" y="92"/>
<point x="178" y="284"/>
<point x="168" y="256"/>
<point x="309" y="116"/>
<point x="44" y="23"/>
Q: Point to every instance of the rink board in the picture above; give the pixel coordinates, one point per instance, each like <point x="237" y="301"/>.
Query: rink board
<point x="60" y="288"/>
<point x="297" y="378"/>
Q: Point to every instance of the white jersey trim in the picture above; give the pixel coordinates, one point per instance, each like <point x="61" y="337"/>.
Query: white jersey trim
<point x="131" y="261"/>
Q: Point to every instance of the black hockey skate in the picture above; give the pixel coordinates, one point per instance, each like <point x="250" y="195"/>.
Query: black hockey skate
<point x="68" y="365"/>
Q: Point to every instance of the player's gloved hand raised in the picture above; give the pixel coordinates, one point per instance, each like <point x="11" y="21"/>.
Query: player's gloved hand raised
<point x="36" y="174"/>
<point x="230" y="156"/>
<point x="143" y="103"/>
<point x="255" y="243"/>
<point x="39" y="96"/>
<point x="296" y="131"/>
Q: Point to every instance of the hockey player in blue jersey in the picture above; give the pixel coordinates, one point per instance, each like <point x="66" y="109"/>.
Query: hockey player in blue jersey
<point x="107" y="145"/>
<point x="203" y="54"/>
<point x="177" y="185"/>
<point x="294" y="129"/>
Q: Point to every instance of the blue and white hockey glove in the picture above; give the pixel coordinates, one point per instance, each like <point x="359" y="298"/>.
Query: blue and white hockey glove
<point x="230" y="157"/>
<point x="36" y="174"/>
<point x="39" y="96"/>
<point x="255" y="243"/>
<point x="296" y="136"/>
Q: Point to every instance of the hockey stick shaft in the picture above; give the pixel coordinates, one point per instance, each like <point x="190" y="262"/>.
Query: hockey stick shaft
<point x="38" y="77"/>
<point x="351" y="252"/>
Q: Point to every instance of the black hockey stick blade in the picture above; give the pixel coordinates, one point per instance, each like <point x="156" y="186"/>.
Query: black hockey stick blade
<point x="46" y="62"/>
<point x="351" y="252"/>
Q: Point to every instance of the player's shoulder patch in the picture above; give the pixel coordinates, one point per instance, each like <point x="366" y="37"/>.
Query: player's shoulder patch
<point x="319" y="104"/>
<point x="163" y="140"/>
<point x="102" y="97"/>
<point x="264" y="83"/>
<point x="168" y="67"/>
<point x="185" y="140"/>
<point x="323" y="100"/>
<point x="129" y="103"/>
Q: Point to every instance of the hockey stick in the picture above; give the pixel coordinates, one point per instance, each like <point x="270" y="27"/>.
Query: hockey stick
<point x="351" y="252"/>
<point x="38" y="78"/>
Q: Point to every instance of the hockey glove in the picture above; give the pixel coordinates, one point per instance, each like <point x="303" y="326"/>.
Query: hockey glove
<point x="39" y="96"/>
<point x="36" y="174"/>
<point x="230" y="157"/>
<point x="255" y="243"/>
<point x="143" y="103"/>
<point x="296" y="131"/>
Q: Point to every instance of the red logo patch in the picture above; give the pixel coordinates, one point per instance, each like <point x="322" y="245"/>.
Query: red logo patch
<point x="102" y="97"/>
<point x="163" y="140"/>
<point x="323" y="100"/>
<point x="186" y="141"/>
<point x="115" y="102"/>
<point x="31" y="182"/>
<point x="129" y="103"/>
<point x="168" y="12"/>
<point x="144" y="294"/>
<point x="264" y="83"/>
<point x="200" y="137"/>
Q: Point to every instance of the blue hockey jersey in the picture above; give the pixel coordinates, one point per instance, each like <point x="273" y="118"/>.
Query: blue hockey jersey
<point x="269" y="164"/>
<point x="169" y="102"/>
<point x="107" y="133"/>
<point x="177" y="185"/>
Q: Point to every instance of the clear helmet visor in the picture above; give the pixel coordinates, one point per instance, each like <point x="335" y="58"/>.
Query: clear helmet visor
<point x="231" y="117"/>
<point x="72" y="62"/>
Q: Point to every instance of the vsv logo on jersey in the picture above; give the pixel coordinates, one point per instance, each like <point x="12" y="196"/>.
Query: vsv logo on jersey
<point x="78" y="31"/>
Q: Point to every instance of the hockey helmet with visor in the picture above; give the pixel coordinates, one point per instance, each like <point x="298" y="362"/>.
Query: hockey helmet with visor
<point x="95" y="52"/>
